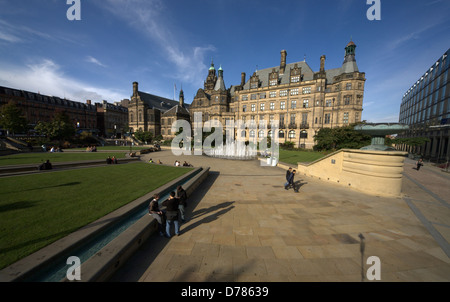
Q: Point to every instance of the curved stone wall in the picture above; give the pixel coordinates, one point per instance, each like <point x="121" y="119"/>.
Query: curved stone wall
<point x="372" y="172"/>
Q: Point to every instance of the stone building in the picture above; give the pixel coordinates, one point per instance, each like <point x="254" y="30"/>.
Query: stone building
<point x="37" y="107"/>
<point x="303" y="101"/>
<point x="112" y="120"/>
<point x="177" y="112"/>
<point x="145" y="111"/>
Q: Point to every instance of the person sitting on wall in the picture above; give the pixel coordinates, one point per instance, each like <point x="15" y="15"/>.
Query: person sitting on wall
<point x="46" y="166"/>
<point x="109" y="160"/>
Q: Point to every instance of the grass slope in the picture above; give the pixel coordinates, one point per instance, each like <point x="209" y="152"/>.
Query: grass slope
<point x="36" y="210"/>
<point x="293" y="157"/>
<point x="38" y="158"/>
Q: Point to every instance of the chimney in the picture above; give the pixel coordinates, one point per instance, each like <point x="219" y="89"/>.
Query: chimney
<point x="181" y="98"/>
<point x="283" y="61"/>
<point x="88" y="102"/>
<point x="135" y="88"/>
<point x="322" y="63"/>
<point x="243" y="79"/>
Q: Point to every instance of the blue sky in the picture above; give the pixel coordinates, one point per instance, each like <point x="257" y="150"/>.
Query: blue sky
<point x="162" y="43"/>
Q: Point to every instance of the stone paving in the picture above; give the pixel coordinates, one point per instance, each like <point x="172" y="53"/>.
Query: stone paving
<point x="243" y="226"/>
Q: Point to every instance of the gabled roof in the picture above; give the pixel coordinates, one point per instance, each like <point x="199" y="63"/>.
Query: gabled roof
<point x="157" y="102"/>
<point x="176" y="110"/>
<point x="263" y="74"/>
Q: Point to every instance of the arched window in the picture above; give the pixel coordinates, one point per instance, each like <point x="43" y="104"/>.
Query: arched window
<point x="281" y="134"/>
<point x="304" y="134"/>
<point x="131" y="118"/>
<point x="261" y="133"/>
<point x="292" y="134"/>
<point x="252" y="133"/>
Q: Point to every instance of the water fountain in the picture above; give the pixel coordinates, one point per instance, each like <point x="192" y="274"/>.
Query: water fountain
<point x="378" y="132"/>
<point x="233" y="150"/>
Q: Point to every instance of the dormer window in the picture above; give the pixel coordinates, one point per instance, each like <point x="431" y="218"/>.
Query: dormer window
<point x="295" y="79"/>
<point x="296" y="74"/>
<point x="254" y="81"/>
<point x="273" y="78"/>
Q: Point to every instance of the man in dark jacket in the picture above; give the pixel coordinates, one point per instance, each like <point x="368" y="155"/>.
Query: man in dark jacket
<point x="171" y="205"/>
<point x="291" y="181"/>
<point x="288" y="175"/>
<point x="182" y="196"/>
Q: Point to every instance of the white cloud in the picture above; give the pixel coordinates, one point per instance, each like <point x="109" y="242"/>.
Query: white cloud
<point x="94" y="61"/>
<point x="149" y="16"/>
<point x="47" y="78"/>
<point x="22" y="34"/>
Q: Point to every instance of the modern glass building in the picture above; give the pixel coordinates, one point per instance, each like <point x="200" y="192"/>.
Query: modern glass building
<point x="425" y="108"/>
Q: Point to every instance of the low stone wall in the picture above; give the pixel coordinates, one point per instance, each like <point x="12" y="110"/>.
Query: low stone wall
<point x="35" y="167"/>
<point x="372" y="172"/>
<point x="108" y="260"/>
<point x="105" y="262"/>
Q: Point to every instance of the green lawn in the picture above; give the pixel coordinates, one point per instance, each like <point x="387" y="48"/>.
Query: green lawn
<point x="38" y="158"/>
<point x="108" y="148"/>
<point x="36" y="210"/>
<point x="294" y="157"/>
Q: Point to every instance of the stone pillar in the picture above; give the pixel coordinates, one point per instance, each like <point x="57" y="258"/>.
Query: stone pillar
<point x="322" y="63"/>
<point x="283" y="61"/>
<point x="135" y="88"/>
<point x="243" y="79"/>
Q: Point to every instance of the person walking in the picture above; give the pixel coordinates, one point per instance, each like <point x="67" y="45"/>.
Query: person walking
<point x="291" y="181"/>
<point x="182" y="196"/>
<point x="153" y="209"/>
<point x="288" y="175"/>
<point x="419" y="164"/>
<point x="171" y="205"/>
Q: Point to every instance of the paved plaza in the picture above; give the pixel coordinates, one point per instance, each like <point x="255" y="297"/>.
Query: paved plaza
<point x="244" y="226"/>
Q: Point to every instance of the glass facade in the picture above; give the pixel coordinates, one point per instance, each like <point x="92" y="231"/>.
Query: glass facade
<point x="425" y="108"/>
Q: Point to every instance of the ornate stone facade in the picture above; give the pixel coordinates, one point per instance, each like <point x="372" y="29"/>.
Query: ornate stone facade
<point x="303" y="101"/>
<point x="145" y="111"/>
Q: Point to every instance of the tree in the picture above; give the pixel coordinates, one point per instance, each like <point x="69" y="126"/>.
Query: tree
<point x="144" y="136"/>
<point x="12" y="119"/>
<point x="59" y="128"/>
<point x="339" y="138"/>
<point x="325" y="140"/>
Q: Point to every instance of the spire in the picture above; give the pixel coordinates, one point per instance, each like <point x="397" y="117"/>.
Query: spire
<point x="181" y="98"/>
<point x="349" y="64"/>
<point x="350" y="50"/>
<point x="220" y="84"/>
<point x="212" y="65"/>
